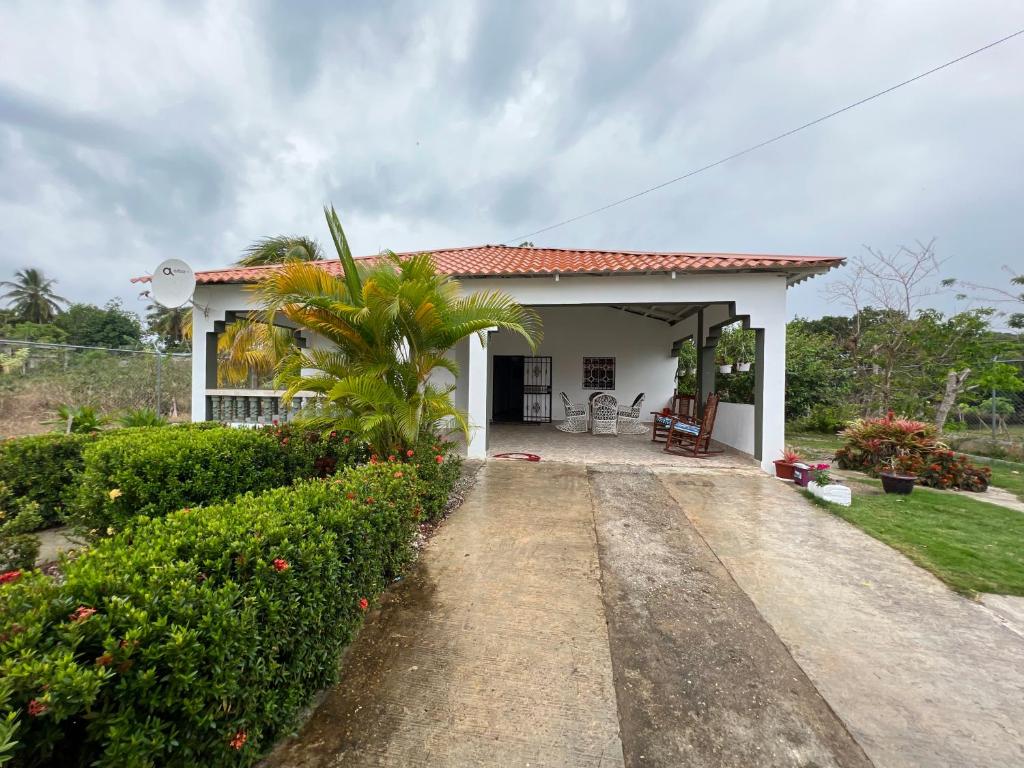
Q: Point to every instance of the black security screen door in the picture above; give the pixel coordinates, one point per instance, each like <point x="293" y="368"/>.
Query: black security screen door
<point x="522" y="389"/>
<point x="537" y="389"/>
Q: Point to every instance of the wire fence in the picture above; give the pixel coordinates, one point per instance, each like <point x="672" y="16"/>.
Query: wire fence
<point x="36" y="378"/>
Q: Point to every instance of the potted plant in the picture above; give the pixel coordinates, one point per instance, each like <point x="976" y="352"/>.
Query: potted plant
<point x="895" y="479"/>
<point x="784" y="466"/>
<point x="744" y="350"/>
<point x="724" y="366"/>
<point x="824" y="488"/>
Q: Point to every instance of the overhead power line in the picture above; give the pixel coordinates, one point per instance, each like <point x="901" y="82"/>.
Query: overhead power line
<point x="766" y="142"/>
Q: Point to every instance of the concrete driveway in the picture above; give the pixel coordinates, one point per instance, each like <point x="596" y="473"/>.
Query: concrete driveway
<point x="603" y="615"/>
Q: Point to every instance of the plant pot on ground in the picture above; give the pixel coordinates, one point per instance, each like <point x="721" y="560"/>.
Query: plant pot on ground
<point x="895" y="482"/>
<point x="784" y="466"/>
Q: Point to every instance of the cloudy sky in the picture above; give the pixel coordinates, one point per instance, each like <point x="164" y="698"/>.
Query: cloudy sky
<point x="135" y="131"/>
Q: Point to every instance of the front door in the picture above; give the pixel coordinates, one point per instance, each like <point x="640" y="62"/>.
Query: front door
<point x="522" y="389"/>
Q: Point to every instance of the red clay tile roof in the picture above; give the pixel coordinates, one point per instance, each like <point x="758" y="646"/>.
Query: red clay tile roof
<point x="508" y="261"/>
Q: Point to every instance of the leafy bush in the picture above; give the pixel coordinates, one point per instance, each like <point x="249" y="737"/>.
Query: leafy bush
<point x="77" y="419"/>
<point x="825" y="419"/>
<point x="438" y="465"/>
<point x="141" y="417"/>
<point x="870" y="443"/>
<point x="911" y="447"/>
<point x="153" y="472"/>
<point x="945" y="469"/>
<point x="195" y="638"/>
<point x="18" y="518"/>
<point x="310" y="453"/>
<point x="736" y="387"/>
<point x="41" y="468"/>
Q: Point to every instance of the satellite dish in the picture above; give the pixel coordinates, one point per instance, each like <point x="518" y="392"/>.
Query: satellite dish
<point x="173" y="283"/>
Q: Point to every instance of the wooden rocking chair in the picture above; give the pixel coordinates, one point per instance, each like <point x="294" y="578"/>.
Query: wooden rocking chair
<point x="680" y="407"/>
<point x="692" y="437"/>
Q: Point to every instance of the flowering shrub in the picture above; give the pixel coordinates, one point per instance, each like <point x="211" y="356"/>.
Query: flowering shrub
<point x="911" y="448"/>
<point x="195" y="638"/>
<point x="945" y="469"/>
<point x="821" y="474"/>
<point x="41" y="469"/>
<point x="155" y="471"/>
<point x="871" y="442"/>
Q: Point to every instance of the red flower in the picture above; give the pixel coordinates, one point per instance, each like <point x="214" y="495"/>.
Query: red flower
<point x="373" y="459"/>
<point x="369" y="499"/>
<point x="391" y="458"/>
<point x="36" y="708"/>
<point x="345" y="440"/>
<point x="363" y="603"/>
<point x="8" y="576"/>
<point x="821" y="466"/>
<point x="350" y="495"/>
<point x="439" y="458"/>
<point x="334" y="434"/>
<point x="410" y="453"/>
<point x="399" y="474"/>
<point x="104" y="660"/>
<point x="82" y="613"/>
<point x="274" y="422"/>
<point x="281" y="565"/>
<point x="239" y="740"/>
<point x="284" y="441"/>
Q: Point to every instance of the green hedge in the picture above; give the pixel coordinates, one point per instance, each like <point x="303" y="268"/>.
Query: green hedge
<point x="41" y="468"/>
<point x="155" y="471"/>
<point x="195" y="638"/>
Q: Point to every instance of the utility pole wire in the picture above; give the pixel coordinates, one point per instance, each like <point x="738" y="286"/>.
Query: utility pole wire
<point x="765" y="143"/>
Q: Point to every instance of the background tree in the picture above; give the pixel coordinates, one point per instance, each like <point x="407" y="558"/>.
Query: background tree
<point x="172" y="326"/>
<point x="32" y="297"/>
<point x="281" y="249"/>
<point x="109" y="326"/>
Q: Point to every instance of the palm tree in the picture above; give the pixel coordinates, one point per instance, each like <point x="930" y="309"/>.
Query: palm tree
<point x="390" y="325"/>
<point x="281" y="249"/>
<point x="172" y="324"/>
<point x="32" y="297"/>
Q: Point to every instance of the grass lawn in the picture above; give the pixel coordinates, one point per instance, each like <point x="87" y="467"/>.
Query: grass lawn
<point x="971" y="545"/>
<point x="1006" y="474"/>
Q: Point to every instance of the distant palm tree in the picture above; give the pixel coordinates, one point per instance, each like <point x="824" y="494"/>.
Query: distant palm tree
<point x="32" y="297"/>
<point x="172" y="325"/>
<point x="281" y="249"/>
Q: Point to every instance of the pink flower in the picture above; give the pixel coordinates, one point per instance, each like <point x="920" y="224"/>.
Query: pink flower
<point x="399" y="474"/>
<point x="281" y="565"/>
<point x="36" y="708"/>
<point x="410" y="453"/>
<point x="821" y="466"/>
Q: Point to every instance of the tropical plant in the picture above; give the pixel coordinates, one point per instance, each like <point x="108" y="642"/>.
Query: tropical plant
<point x="141" y="417"/>
<point x="77" y="419"/>
<point x="390" y="322"/>
<point x="32" y="297"/>
<point x="281" y="249"/>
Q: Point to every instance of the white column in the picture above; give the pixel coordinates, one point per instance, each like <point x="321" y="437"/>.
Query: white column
<point x="477" y="377"/>
<point x="771" y="366"/>
<point x="201" y="325"/>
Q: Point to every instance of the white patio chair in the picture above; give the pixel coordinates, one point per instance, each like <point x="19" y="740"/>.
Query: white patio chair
<point x="629" y="418"/>
<point x="604" y="413"/>
<point x="575" y="416"/>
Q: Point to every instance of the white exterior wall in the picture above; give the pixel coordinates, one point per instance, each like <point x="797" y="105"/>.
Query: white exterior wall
<point x="640" y="346"/>
<point x="644" y="344"/>
<point x="734" y="426"/>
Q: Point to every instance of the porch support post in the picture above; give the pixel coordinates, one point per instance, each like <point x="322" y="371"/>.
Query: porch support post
<point x="706" y="344"/>
<point x="477" y="376"/>
<point x="204" y="362"/>
<point x="770" y="393"/>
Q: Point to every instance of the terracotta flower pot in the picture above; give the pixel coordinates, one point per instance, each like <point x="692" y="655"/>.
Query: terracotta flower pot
<point x="896" y="483"/>
<point x="783" y="469"/>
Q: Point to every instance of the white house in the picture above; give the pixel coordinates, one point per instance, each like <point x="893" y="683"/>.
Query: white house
<point x="612" y="322"/>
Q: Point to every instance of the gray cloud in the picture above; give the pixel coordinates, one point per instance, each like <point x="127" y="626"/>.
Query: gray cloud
<point x="133" y="132"/>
